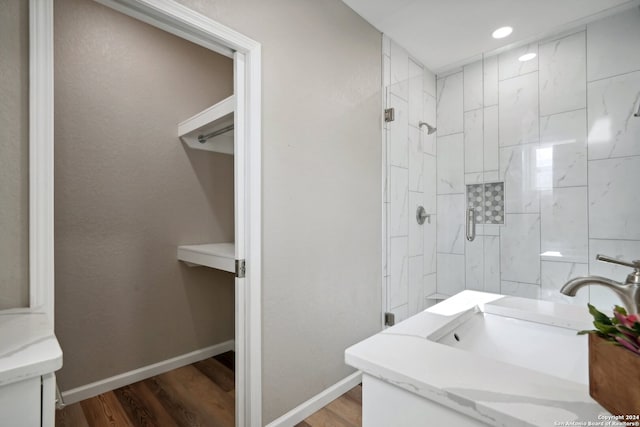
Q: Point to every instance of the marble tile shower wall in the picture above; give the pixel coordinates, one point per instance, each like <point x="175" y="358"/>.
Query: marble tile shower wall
<point x="559" y="131"/>
<point x="410" y="162"/>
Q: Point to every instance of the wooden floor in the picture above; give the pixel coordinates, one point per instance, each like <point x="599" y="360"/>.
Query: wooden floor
<point x="345" y="411"/>
<point x="201" y="394"/>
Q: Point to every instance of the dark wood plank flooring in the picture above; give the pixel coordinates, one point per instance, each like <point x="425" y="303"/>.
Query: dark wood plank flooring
<point x="345" y="411"/>
<point x="202" y="394"/>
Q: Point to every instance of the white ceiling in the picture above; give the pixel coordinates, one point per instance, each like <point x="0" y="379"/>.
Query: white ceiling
<point x="446" y="33"/>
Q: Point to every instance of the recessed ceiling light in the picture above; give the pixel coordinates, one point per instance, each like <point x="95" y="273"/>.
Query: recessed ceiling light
<point x="527" y="57"/>
<point x="502" y="32"/>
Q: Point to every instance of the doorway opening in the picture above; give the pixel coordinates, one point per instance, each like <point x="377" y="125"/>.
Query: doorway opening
<point x="226" y="138"/>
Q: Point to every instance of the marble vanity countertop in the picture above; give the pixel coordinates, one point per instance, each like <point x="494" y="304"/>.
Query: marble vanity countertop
<point x="486" y="389"/>
<point x="28" y="346"/>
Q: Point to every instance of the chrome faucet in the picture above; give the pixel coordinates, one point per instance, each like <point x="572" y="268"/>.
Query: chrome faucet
<point x="629" y="291"/>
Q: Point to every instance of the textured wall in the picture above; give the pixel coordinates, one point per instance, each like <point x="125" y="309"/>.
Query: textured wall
<point x="321" y="188"/>
<point x="14" y="153"/>
<point x="128" y="192"/>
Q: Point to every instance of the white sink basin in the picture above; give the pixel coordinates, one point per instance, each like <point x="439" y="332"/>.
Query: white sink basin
<point x="545" y="348"/>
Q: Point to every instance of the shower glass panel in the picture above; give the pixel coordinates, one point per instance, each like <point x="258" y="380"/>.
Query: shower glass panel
<point x="410" y="172"/>
<point x="14" y="154"/>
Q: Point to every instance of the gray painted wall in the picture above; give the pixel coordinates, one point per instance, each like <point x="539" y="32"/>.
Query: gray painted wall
<point x="321" y="188"/>
<point x="121" y="198"/>
<point x="128" y="192"/>
<point x="14" y="153"/>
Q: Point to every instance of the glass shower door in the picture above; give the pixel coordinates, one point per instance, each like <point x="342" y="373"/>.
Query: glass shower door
<point x="409" y="197"/>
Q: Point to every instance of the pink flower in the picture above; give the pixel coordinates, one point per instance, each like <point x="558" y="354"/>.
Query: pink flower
<point x="627" y="345"/>
<point x="623" y="329"/>
<point x="626" y="320"/>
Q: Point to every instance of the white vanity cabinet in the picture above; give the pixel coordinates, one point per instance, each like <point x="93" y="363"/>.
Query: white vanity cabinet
<point x="29" y="356"/>
<point x="388" y="405"/>
<point x="20" y="403"/>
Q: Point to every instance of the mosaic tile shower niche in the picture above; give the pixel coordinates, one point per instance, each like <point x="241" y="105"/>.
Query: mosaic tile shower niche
<point x="487" y="202"/>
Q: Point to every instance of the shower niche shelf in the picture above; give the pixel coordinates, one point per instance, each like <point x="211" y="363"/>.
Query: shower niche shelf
<point x="220" y="256"/>
<point x="215" y="122"/>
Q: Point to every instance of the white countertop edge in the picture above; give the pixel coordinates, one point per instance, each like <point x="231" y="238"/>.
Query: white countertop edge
<point x="457" y="403"/>
<point x="534" y="399"/>
<point x="28" y="346"/>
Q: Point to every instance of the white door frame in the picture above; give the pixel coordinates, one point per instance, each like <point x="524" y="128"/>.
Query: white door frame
<point x="41" y="265"/>
<point x="190" y="25"/>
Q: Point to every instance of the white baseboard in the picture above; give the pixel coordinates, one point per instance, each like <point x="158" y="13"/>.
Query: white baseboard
<point x="90" y="390"/>
<point x="317" y="402"/>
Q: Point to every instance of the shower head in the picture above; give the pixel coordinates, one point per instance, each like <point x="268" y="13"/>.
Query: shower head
<point x="430" y="129"/>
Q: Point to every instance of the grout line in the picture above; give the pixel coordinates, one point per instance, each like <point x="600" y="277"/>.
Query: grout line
<point x="450" y="134"/>
<point x="437" y="145"/>
<point x="522" y="213"/>
<point x="539" y="191"/>
<point x="564" y="35"/>
<point x="399" y="167"/>
<point x="611" y="158"/>
<point x="500" y="178"/>
<point x="526" y="144"/>
<point x="612" y="76"/>
<point x="516" y="76"/>
<point x="482" y="283"/>
<point x="524" y="283"/>
<point x="566" y="186"/>
<point x="406" y="191"/>
<point x="472" y="110"/>
<point x="560" y="261"/>
<point x="615" y="240"/>
<point x="564" y="112"/>
<point x="586" y="92"/>
<point x="449" y="73"/>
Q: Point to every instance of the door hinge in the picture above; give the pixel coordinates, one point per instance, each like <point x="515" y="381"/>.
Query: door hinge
<point x="241" y="268"/>
<point x="389" y="319"/>
<point x="389" y="115"/>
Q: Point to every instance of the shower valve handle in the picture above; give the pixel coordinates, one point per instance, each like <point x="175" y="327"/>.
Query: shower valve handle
<point x="422" y="215"/>
<point x="471" y="225"/>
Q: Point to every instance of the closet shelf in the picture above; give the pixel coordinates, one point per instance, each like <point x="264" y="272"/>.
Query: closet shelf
<point x="217" y="118"/>
<point x="214" y="255"/>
